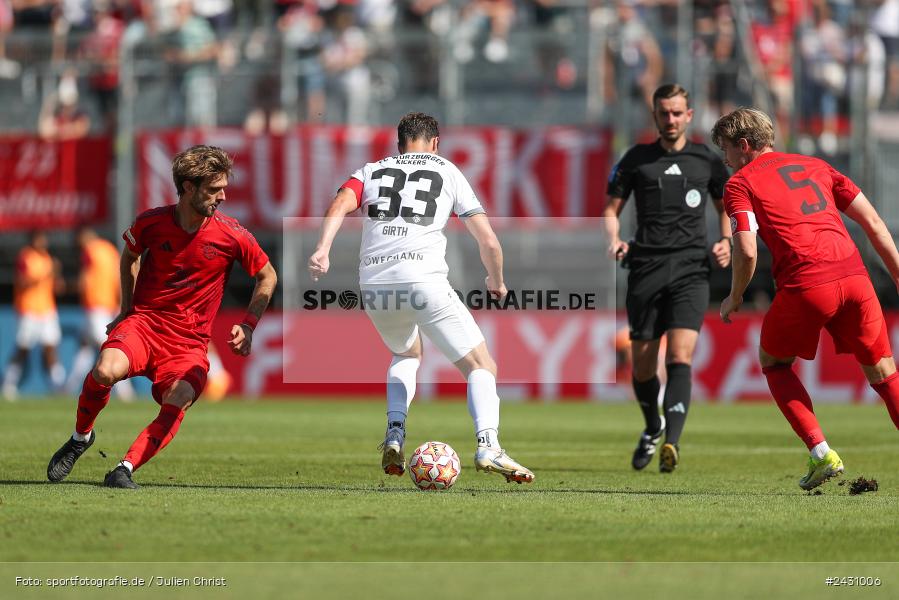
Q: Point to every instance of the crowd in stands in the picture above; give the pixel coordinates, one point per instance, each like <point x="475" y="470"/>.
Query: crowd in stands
<point x="332" y="44"/>
<point x="842" y="46"/>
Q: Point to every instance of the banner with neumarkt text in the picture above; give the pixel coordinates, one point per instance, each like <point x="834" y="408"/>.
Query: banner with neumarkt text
<point x="554" y="172"/>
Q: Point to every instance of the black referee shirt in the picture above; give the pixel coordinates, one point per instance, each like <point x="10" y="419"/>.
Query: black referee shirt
<point x="671" y="190"/>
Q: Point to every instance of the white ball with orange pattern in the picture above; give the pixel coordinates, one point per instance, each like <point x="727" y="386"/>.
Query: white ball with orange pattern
<point x="434" y="466"/>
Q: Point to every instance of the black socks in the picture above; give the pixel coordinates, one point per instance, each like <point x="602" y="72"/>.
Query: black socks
<point x="677" y="400"/>
<point x="648" y="398"/>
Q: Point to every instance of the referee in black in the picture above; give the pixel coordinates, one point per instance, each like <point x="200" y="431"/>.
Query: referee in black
<point x="668" y="282"/>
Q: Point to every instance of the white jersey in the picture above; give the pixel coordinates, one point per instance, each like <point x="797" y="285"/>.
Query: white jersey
<point x="406" y="202"/>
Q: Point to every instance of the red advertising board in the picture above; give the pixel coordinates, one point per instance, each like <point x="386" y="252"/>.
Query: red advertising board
<point x="540" y="356"/>
<point x="549" y="172"/>
<point x="53" y="184"/>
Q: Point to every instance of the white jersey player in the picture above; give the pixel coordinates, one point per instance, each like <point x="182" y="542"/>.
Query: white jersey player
<point x="406" y="201"/>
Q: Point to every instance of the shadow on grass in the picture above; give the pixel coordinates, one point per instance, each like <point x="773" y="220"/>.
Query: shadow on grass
<point x="305" y="487"/>
<point x="49" y="483"/>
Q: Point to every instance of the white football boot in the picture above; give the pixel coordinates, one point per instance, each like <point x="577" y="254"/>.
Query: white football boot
<point x="392" y="460"/>
<point x="495" y="460"/>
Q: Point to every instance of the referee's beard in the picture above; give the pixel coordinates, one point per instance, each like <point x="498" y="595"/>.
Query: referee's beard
<point x="674" y="134"/>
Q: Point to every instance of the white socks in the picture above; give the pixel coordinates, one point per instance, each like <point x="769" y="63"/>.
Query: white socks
<point x="400" y="387"/>
<point x="82" y="437"/>
<point x="215" y="365"/>
<point x="57" y="376"/>
<point x="83" y="362"/>
<point x="820" y="450"/>
<point x="483" y="402"/>
<point x="12" y="375"/>
<point x="124" y="390"/>
<point x="489" y="438"/>
<point x="127" y="465"/>
<point x="483" y="405"/>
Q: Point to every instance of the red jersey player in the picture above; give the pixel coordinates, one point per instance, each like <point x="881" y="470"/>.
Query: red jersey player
<point x="794" y="202"/>
<point x="181" y="256"/>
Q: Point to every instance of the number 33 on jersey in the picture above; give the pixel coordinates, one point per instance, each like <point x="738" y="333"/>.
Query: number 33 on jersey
<point x="406" y="201"/>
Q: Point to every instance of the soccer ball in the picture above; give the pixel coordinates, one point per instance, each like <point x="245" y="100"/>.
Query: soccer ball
<point x="434" y="466"/>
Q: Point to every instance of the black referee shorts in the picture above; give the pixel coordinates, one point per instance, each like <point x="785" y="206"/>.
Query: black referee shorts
<point x="667" y="292"/>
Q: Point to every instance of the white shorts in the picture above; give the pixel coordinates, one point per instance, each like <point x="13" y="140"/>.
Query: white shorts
<point x="399" y="310"/>
<point x="95" y="328"/>
<point x="38" y="329"/>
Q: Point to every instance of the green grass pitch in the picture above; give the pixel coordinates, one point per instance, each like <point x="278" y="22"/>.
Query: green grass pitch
<point x="300" y="482"/>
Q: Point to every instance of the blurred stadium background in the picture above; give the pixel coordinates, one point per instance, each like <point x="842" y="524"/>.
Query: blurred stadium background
<point x="536" y="98"/>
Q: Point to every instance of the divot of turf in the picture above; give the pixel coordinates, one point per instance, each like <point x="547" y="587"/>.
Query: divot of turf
<point x="862" y="485"/>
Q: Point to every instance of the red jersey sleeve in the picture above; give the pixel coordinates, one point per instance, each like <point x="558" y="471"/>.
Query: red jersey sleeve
<point x="355" y="186"/>
<point x="844" y="189"/>
<point x="132" y="238"/>
<point x="250" y="255"/>
<point x="737" y="196"/>
<point x="738" y="205"/>
<point x="134" y="234"/>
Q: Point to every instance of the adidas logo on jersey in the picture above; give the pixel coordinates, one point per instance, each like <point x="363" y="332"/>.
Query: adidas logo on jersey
<point x="673" y="170"/>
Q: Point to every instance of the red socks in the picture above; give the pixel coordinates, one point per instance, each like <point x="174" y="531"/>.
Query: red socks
<point x="794" y="402"/>
<point x="889" y="391"/>
<point x="94" y="398"/>
<point x="155" y="437"/>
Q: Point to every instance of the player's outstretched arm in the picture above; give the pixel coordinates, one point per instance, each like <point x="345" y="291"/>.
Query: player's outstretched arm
<point x="617" y="249"/>
<point x="241" y="341"/>
<point x="863" y="212"/>
<point x="490" y="250"/>
<point x="744" y="260"/>
<point x="129" y="267"/>
<point x="343" y="204"/>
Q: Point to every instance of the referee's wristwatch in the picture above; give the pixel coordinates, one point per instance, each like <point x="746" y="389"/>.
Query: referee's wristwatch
<point x="730" y="241"/>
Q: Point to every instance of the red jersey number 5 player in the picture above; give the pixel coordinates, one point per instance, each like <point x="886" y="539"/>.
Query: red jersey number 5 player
<point x="174" y="268"/>
<point x="794" y="203"/>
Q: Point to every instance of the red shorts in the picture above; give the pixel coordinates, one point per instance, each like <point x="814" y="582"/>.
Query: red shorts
<point x="847" y="308"/>
<point x="163" y="358"/>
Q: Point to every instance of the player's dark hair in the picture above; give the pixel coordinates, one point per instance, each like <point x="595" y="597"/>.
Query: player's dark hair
<point x="747" y="123"/>
<point x="416" y="126"/>
<point x="198" y="163"/>
<point x="670" y="90"/>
